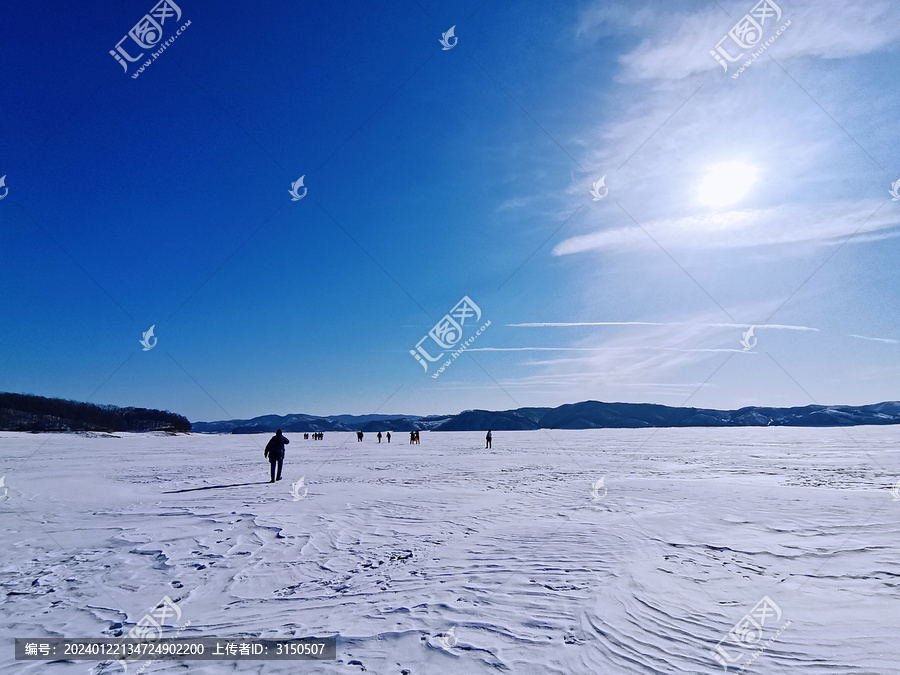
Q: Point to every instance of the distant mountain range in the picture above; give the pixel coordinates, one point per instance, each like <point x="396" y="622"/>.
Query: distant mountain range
<point x="20" y="412"/>
<point x="584" y="415"/>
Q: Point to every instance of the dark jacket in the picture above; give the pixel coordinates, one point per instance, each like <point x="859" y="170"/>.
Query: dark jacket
<point x="275" y="448"/>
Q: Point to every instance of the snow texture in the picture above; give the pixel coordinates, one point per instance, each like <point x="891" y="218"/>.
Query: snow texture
<point x="449" y="558"/>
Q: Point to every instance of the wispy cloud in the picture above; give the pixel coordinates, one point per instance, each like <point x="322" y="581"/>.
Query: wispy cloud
<point x="518" y="202"/>
<point x="787" y="224"/>
<point x="875" y="339"/>
<point x="565" y="380"/>
<point x="595" y="349"/>
<point x="774" y="326"/>
<point x="650" y="360"/>
<point x="676" y="41"/>
<point x="658" y="140"/>
<point x="652" y="355"/>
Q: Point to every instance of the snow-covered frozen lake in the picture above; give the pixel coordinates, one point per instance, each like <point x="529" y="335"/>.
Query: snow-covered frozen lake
<point x="446" y="557"/>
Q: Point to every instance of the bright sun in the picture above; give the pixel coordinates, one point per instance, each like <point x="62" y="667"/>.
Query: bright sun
<point x="726" y="183"/>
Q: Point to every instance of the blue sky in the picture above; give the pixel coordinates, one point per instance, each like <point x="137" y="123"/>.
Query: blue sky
<point x="434" y="174"/>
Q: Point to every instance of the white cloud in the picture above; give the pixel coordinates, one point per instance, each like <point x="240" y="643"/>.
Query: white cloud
<point x="776" y="326"/>
<point x="787" y="224"/>
<point x="676" y="44"/>
<point x="594" y="349"/>
<point x="514" y="203"/>
<point x="647" y="356"/>
<point x="875" y="339"/>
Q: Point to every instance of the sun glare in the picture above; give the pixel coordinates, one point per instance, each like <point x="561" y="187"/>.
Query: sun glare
<point x="726" y="183"/>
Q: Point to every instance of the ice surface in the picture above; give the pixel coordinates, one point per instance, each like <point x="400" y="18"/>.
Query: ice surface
<point x="445" y="557"/>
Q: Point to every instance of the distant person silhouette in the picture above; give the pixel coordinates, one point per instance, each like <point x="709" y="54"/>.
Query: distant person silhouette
<point x="359" y="435"/>
<point x="487" y="440"/>
<point x="389" y="437"/>
<point x="275" y="453"/>
<point x="417" y="436"/>
<point x="379" y="437"/>
<point x="412" y="437"/>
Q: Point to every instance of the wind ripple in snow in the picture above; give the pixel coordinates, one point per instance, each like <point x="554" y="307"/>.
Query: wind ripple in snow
<point x="446" y="557"/>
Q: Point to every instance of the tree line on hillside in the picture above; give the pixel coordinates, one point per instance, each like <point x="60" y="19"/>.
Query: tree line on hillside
<point x="24" y="412"/>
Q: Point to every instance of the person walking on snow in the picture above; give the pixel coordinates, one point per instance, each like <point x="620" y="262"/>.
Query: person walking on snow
<point x="487" y="440"/>
<point x="275" y="453"/>
<point x="379" y="437"/>
<point x="389" y="436"/>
